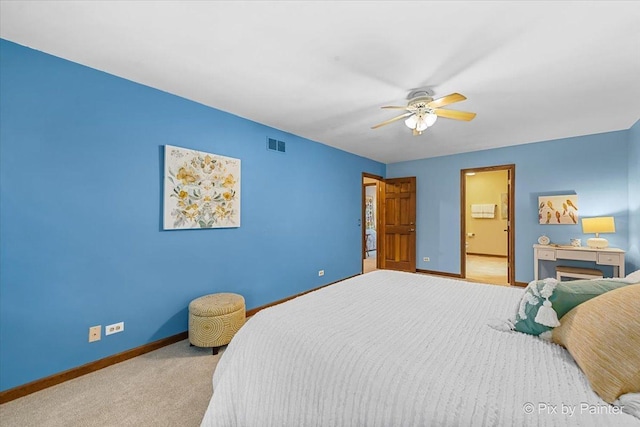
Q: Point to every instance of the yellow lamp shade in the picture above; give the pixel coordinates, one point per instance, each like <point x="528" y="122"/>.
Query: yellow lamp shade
<point x="602" y="224"/>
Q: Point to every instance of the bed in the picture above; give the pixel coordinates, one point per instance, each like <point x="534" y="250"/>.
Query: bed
<point x="399" y="349"/>
<point x="370" y="242"/>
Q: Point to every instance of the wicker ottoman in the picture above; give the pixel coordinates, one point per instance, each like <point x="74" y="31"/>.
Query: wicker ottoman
<point x="214" y="319"/>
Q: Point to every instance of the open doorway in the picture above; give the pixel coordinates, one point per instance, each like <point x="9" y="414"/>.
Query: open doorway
<point x="370" y="217"/>
<point x="487" y="224"/>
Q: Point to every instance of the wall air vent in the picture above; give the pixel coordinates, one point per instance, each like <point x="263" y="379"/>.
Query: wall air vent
<point x="275" y="145"/>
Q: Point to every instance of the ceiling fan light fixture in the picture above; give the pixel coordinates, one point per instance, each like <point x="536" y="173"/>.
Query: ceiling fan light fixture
<point x="411" y="122"/>
<point x="430" y="118"/>
<point x="422" y="124"/>
<point x="421" y="121"/>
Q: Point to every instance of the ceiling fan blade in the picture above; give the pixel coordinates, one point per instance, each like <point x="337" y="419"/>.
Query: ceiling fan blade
<point x="452" y="114"/>
<point x="395" y="119"/>
<point x="446" y="100"/>
<point x="395" y="107"/>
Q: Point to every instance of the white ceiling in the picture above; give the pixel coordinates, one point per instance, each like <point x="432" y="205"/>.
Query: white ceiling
<point x="532" y="71"/>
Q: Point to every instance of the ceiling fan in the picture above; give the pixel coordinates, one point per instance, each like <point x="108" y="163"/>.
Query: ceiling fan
<point x="423" y="110"/>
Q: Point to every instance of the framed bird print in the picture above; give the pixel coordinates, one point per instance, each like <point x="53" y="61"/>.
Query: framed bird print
<point x="558" y="209"/>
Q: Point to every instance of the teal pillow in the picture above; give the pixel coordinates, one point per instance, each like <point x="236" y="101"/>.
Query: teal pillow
<point x="545" y="301"/>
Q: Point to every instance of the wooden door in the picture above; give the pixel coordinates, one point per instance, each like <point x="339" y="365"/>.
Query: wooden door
<point x="397" y="239"/>
<point x="511" y="274"/>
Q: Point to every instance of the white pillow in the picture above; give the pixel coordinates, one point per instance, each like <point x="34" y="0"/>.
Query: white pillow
<point x="633" y="277"/>
<point x="630" y="403"/>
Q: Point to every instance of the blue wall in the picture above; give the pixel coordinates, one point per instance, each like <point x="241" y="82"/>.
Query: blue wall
<point x="545" y="168"/>
<point x="81" y="224"/>
<point x="633" y="254"/>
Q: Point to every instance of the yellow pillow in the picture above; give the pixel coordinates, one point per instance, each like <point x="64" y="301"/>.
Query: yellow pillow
<point x="603" y="336"/>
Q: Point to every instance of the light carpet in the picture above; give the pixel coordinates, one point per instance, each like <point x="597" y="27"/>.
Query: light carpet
<point x="170" y="386"/>
<point x="487" y="269"/>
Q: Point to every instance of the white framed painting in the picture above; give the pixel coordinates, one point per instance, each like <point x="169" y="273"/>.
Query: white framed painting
<point x="201" y="190"/>
<point x="558" y="209"/>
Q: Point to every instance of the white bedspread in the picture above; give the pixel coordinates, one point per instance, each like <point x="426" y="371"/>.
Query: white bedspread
<point x="399" y="349"/>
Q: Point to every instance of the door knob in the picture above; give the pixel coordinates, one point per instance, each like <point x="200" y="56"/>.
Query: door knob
<point x="412" y="229"/>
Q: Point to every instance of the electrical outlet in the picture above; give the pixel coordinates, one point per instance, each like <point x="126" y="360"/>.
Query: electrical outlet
<point x="426" y="259"/>
<point x="94" y="333"/>
<point x="114" y="329"/>
<point x="320" y="273"/>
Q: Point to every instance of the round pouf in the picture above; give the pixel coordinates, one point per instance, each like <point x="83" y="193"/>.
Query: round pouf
<point x="214" y="319"/>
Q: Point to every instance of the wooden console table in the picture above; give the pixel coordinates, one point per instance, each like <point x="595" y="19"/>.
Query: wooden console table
<point x="606" y="256"/>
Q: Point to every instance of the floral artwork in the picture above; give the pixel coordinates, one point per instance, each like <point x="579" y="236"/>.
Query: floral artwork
<point x="369" y="214"/>
<point x="201" y="190"/>
<point x="558" y="209"/>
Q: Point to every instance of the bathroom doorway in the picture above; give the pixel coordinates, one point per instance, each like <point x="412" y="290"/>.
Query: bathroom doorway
<point x="487" y="224"/>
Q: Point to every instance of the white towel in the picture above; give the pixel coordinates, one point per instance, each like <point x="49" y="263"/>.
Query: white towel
<point x="486" y="210"/>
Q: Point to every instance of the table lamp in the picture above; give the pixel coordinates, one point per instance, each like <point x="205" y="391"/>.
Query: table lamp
<point x="602" y="224"/>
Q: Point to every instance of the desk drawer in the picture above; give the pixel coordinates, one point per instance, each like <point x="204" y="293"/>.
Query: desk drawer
<point x="577" y="255"/>
<point x="547" y="254"/>
<point x="608" y="259"/>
